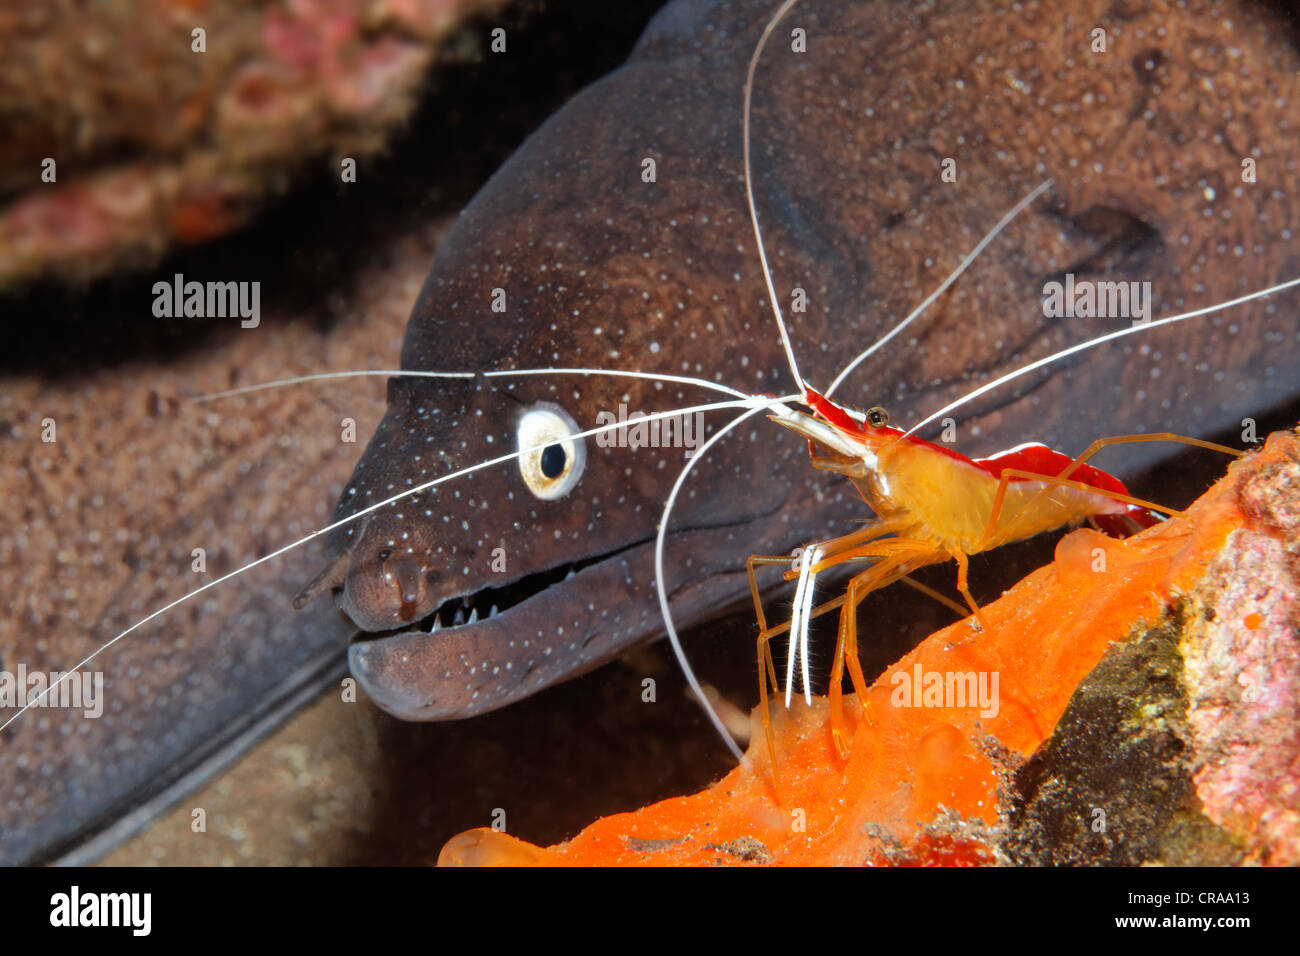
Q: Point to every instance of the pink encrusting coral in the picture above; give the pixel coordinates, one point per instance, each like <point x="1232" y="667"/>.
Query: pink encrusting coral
<point x="1134" y="702"/>
<point x="1242" y="666"/>
<point x="156" y="143"/>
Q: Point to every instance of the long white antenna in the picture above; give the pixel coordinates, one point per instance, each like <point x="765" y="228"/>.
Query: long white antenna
<point x="673" y="639"/>
<point x="660" y="535"/>
<point x="1101" y="339"/>
<point x="952" y="277"/>
<point x="749" y="195"/>
<point x="503" y="373"/>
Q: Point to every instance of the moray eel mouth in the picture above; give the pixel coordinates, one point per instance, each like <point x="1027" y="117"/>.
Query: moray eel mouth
<point x="486" y="603"/>
<point x="480" y="650"/>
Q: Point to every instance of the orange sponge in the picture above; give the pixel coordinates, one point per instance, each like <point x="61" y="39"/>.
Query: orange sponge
<point x="925" y="779"/>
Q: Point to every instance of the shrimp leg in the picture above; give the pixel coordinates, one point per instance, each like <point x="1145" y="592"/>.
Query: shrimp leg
<point x="835" y="550"/>
<point x="898" y="557"/>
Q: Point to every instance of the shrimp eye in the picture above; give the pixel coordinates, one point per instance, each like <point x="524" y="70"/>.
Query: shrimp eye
<point x="877" y="417"/>
<point x="551" y="459"/>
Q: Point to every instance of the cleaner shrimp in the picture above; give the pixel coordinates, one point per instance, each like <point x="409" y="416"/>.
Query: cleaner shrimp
<point x="741" y="400"/>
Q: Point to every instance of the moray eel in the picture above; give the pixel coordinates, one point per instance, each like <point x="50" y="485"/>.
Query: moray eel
<point x="1144" y="120"/>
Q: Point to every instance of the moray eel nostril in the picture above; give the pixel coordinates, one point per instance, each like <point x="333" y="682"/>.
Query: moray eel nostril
<point x="377" y="587"/>
<point x="408" y="575"/>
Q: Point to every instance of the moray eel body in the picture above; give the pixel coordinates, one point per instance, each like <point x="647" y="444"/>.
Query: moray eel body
<point x="858" y="115"/>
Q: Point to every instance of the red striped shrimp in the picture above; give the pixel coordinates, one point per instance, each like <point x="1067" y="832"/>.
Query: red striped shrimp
<point x="934" y="504"/>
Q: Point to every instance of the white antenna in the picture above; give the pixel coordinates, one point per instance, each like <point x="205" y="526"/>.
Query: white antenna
<point x="952" y="277"/>
<point x="1099" y="340"/>
<point x="503" y="373"/>
<point x="660" y="535"/>
<point x="749" y="195"/>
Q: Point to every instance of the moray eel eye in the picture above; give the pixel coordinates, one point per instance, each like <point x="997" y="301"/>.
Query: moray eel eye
<point x="877" y="417"/>
<point x="554" y="461"/>
<point x="551" y="459"/>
